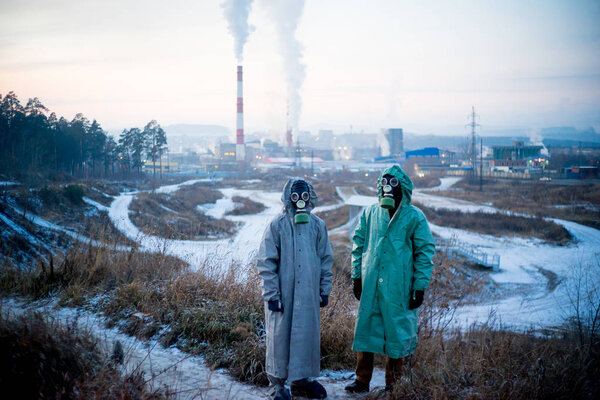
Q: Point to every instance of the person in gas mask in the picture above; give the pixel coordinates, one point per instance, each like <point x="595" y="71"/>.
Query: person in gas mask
<point x="391" y="267"/>
<point x="294" y="261"/>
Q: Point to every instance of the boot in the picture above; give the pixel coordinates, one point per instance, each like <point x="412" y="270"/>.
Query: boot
<point x="277" y="389"/>
<point x="280" y="393"/>
<point x="308" y="389"/>
<point x="357" y="387"/>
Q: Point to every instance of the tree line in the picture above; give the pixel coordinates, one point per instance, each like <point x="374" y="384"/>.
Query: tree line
<point x="35" y="140"/>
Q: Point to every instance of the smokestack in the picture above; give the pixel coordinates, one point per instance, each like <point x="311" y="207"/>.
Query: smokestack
<point x="240" y="149"/>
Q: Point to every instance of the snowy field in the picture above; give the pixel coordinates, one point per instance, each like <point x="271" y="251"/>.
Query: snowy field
<point x="240" y="248"/>
<point x="522" y="261"/>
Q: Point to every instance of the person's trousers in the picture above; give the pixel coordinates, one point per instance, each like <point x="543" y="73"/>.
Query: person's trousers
<point x="364" y="368"/>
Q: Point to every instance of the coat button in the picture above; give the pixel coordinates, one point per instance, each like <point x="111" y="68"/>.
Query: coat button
<point x="380" y="280"/>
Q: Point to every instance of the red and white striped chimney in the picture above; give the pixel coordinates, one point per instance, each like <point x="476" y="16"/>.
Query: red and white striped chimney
<point x="240" y="149"/>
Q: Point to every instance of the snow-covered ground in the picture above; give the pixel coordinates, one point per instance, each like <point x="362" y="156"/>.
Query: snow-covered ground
<point x="545" y="305"/>
<point x="41" y="222"/>
<point x="241" y="247"/>
<point x="186" y="375"/>
<point x="521" y="261"/>
<point x="8" y="183"/>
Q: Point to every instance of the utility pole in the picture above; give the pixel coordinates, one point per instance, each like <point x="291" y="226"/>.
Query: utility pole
<point x="473" y="151"/>
<point x="312" y="162"/>
<point x="480" y="164"/>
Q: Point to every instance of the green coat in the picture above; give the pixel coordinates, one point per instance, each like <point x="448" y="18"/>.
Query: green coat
<point x="393" y="258"/>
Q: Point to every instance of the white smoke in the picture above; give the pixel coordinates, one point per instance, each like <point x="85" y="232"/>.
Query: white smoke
<point x="286" y="15"/>
<point x="383" y="143"/>
<point x="236" y="12"/>
<point x="536" y="139"/>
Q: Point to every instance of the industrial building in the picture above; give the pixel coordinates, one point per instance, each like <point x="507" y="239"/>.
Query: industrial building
<point x="515" y="157"/>
<point x="425" y="153"/>
<point x="395" y="142"/>
<point x="580" y="172"/>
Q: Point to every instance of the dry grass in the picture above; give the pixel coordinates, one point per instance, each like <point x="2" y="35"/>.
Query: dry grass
<point x="245" y="206"/>
<point x="580" y="203"/>
<point x="177" y="217"/>
<point x="499" y="224"/>
<point x="64" y="205"/>
<point x="426" y="181"/>
<point x="326" y="192"/>
<point x="44" y="359"/>
<point x="336" y="217"/>
<point x="218" y="312"/>
<point x="490" y="363"/>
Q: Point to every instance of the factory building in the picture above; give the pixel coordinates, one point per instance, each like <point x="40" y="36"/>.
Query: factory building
<point x="425" y="153"/>
<point x="395" y="142"/>
<point x="515" y="157"/>
<point x="226" y="152"/>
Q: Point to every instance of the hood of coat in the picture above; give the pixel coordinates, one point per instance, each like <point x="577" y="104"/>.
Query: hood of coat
<point x="405" y="183"/>
<point x="287" y="191"/>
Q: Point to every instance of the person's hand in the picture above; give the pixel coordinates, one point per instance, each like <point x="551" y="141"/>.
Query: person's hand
<point x="416" y="299"/>
<point x="275" y="306"/>
<point x="357" y="288"/>
<point x="324" y="301"/>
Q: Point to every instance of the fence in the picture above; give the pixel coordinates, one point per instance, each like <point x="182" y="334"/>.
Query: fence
<point x="455" y="246"/>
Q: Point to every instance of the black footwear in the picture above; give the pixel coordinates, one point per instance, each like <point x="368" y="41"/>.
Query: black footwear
<point x="385" y="393"/>
<point x="357" y="387"/>
<point x="309" y="389"/>
<point x="281" y="394"/>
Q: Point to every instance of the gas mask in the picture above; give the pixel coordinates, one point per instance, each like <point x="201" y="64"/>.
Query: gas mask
<point x="391" y="192"/>
<point x="300" y="197"/>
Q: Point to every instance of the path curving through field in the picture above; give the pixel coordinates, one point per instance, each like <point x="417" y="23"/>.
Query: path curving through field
<point x="526" y="262"/>
<point x="240" y="248"/>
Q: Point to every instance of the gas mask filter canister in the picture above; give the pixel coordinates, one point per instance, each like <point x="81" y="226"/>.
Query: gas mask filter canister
<point x="387" y="200"/>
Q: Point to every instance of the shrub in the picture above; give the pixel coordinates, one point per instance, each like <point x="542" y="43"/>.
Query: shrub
<point x="74" y="193"/>
<point x="499" y="224"/>
<point x="44" y="359"/>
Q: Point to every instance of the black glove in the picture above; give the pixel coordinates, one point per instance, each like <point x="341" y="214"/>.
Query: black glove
<point x="324" y="301"/>
<point x="357" y="288"/>
<point x="416" y="299"/>
<point x="275" y="305"/>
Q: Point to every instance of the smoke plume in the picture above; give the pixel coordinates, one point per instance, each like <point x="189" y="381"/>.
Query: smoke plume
<point x="236" y="12"/>
<point x="536" y="139"/>
<point x="286" y="16"/>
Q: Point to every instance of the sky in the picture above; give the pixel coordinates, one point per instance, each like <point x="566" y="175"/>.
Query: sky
<point x="417" y="65"/>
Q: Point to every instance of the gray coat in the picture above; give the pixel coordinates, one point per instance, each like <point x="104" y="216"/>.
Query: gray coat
<point x="294" y="261"/>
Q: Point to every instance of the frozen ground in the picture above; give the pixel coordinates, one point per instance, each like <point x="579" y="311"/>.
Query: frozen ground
<point x="186" y="375"/>
<point x="240" y="248"/>
<point x="41" y="222"/>
<point x="522" y="261"/>
<point x="548" y="270"/>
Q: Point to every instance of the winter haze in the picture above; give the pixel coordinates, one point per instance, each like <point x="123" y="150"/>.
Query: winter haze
<point x="367" y="64"/>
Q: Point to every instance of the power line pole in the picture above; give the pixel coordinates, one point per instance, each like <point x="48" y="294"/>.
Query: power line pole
<point x="480" y="164"/>
<point x="473" y="153"/>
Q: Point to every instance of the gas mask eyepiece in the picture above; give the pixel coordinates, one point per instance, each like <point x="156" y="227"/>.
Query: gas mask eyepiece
<point x="389" y="185"/>
<point x="300" y="196"/>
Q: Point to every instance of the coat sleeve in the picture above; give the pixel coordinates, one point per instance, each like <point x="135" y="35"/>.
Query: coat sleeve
<point x="326" y="257"/>
<point x="423" y="250"/>
<point x="358" y="239"/>
<point x="268" y="262"/>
